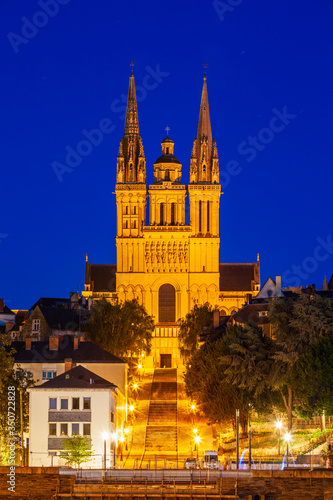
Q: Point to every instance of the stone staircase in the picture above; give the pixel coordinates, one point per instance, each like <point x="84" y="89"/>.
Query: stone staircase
<point x="161" y="432"/>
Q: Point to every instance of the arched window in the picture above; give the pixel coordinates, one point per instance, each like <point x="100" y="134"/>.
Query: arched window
<point x="167" y="304"/>
<point x="161" y="214"/>
<point x="200" y="213"/>
<point x="172" y="214"/>
<point x="208" y="217"/>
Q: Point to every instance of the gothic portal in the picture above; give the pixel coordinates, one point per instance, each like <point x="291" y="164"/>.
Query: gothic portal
<point x="165" y="263"/>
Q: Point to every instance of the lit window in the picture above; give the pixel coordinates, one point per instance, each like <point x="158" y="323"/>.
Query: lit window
<point x="86" y="429"/>
<point x="64" y="404"/>
<point x="35" y="325"/>
<point x="47" y="375"/>
<point x="75" y="429"/>
<point x="53" y="403"/>
<point x="86" y="403"/>
<point x="167" y="304"/>
<point x="52" y="429"/>
<point x="75" y="403"/>
<point x="64" y="429"/>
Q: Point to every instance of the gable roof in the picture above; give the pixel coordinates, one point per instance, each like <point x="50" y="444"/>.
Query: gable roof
<point x="101" y="277"/>
<point x="78" y="377"/>
<point x="65" y="319"/>
<point x="87" y="352"/>
<point x="238" y="277"/>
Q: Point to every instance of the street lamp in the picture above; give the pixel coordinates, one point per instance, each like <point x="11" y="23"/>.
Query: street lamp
<point x="287" y="438"/>
<point x="105" y="435"/>
<point x="114" y="437"/>
<point x="197" y="440"/>
<point x="278" y="425"/>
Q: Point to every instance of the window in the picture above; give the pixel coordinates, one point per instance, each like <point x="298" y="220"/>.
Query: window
<point x="47" y="375"/>
<point x="126" y="210"/>
<point x="167" y="151"/>
<point x="167" y="175"/>
<point x="53" y="403"/>
<point x="172" y="214"/>
<point x="112" y="417"/>
<point x="35" y="325"/>
<point x="200" y="209"/>
<point x="75" y="429"/>
<point x="167" y="304"/>
<point x="134" y="210"/>
<point x="86" y="403"/>
<point x="52" y="429"/>
<point x="86" y="429"/>
<point x="161" y="213"/>
<point x="64" y="429"/>
<point x="75" y="403"/>
<point x="134" y="224"/>
<point x="208" y="217"/>
<point x="64" y="404"/>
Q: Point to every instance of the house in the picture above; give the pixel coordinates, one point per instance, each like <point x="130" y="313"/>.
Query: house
<point x="77" y="402"/>
<point x="49" y="358"/>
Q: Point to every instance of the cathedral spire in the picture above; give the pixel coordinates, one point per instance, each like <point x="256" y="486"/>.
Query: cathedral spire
<point x="204" y="158"/>
<point x="131" y="164"/>
<point x="204" y="126"/>
<point x="131" y="120"/>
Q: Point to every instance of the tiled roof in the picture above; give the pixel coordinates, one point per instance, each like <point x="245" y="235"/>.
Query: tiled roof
<point x="250" y="314"/>
<point x="65" y="319"/>
<point x="78" y="377"/>
<point x="87" y="352"/>
<point x="102" y="277"/>
<point x="237" y="277"/>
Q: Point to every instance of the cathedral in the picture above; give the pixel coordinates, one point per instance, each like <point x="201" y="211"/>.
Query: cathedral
<point x="167" y="263"/>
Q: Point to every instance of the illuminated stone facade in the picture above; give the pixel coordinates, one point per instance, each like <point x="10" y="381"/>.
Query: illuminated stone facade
<point x="168" y="263"/>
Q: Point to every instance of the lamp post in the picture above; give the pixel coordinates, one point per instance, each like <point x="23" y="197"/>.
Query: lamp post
<point x="250" y="436"/>
<point x="287" y="438"/>
<point x="104" y="436"/>
<point x="197" y="440"/>
<point x="237" y="439"/>
<point x="278" y="425"/>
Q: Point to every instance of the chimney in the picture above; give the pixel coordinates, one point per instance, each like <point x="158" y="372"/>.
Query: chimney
<point x="216" y="318"/>
<point x="278" y="292"/>
<point x="28" y="343"/>
<point x="1" y="305"/>
<point x="76" y="343"/>
<point x="53" y="343"/>
<point x="68" y="364"/>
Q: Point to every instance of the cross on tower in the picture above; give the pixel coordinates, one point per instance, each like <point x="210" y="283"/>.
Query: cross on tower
<point x="167" y="130"/>
<point x="205" y="68"/>
<point x="132" y="65"/>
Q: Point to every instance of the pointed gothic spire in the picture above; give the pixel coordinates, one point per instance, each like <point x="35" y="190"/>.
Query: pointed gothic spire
<point x="325" y="285"/>
<point x="204" y="158"/>
<point x="131" y="120"/>
<point x="204" y="126"/>
<point x="131" y="163"/>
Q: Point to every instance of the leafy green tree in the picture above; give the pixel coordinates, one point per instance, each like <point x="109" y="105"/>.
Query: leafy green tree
<point x="312" y="380"/>
<point x="190" y="328"/>
<point x="77" y="450"/>
<point x="298" y="325"/>
<point x="207" y="383"/>
<point x="122" y="328"/>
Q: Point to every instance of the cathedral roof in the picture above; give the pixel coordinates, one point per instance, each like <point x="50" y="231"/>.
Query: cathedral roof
<point x="238" y="277"/>
<point x="102" y="277"/>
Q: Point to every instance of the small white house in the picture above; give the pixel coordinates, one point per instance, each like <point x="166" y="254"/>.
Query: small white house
<point x="75" y="402"/>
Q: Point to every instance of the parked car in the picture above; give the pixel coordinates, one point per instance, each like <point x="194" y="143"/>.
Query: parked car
<point x="190" y="463"/>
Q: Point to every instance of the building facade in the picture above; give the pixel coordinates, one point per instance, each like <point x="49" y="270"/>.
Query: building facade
<point x="164" y="261"/>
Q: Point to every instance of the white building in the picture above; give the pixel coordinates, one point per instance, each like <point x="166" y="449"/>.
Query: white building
<point x="75" y="402"/>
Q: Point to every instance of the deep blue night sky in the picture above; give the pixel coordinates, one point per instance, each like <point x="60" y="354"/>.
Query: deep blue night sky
<point x="264" y="58"/>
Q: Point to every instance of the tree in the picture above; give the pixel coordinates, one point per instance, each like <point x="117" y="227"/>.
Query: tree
<point x="207" y="383"/>
<point x="18" y="380"/>
<point x="192" y="327"/>
<point x="77" y="450"/>
<point x="299" y="324"/>
<point x="316" y="365"/>
<point x="121" y="328"/>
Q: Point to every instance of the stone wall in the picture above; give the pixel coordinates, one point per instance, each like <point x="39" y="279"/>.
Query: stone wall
<point x="34" y="483"/>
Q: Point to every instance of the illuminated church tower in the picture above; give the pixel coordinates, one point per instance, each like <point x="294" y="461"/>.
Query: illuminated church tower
<point x="165" y="263"/>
